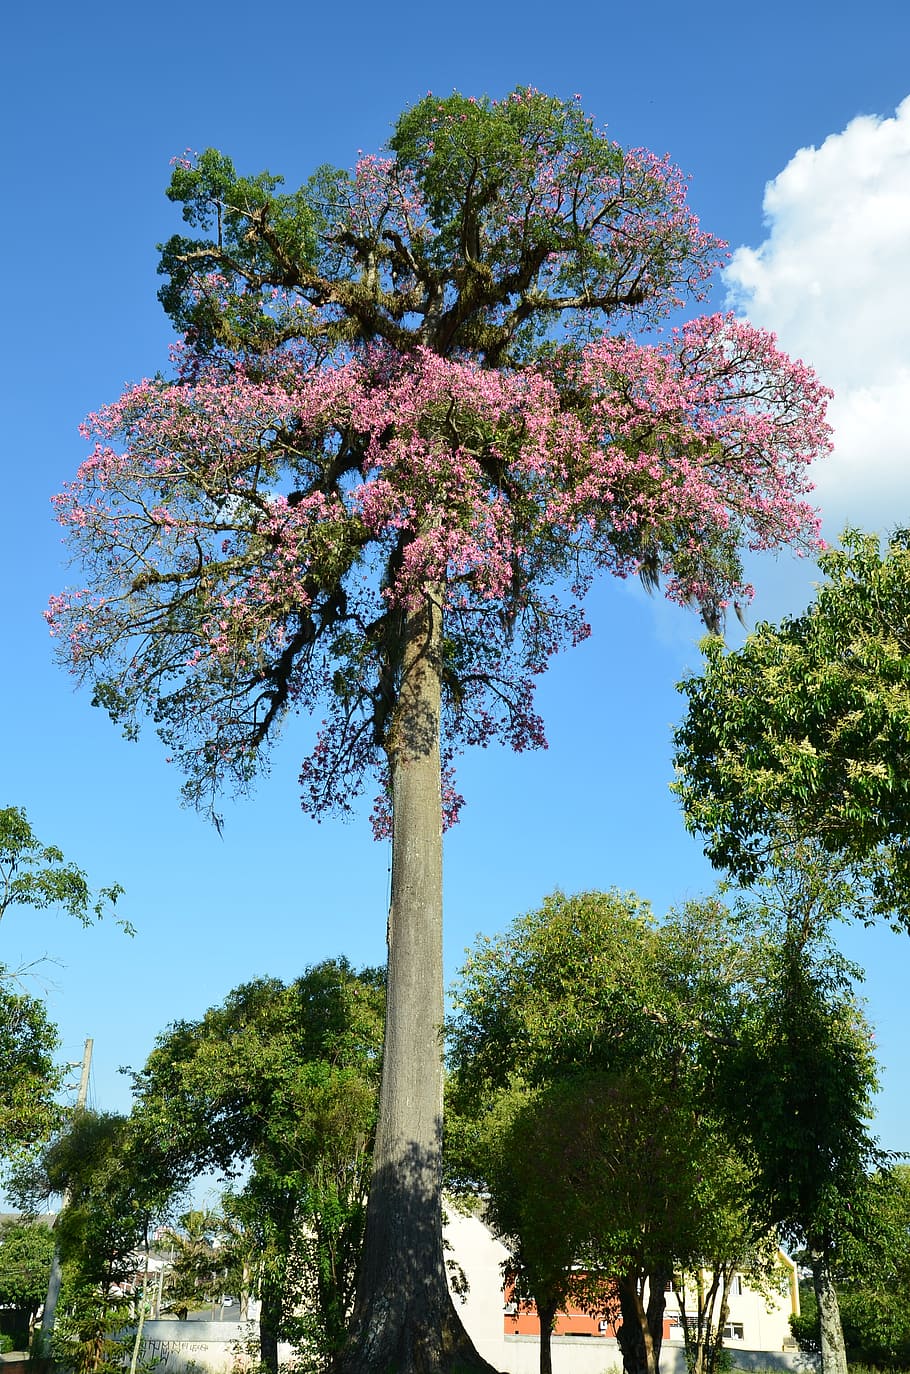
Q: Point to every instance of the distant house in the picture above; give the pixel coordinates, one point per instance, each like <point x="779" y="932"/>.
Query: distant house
<point x="508" y="1335"/>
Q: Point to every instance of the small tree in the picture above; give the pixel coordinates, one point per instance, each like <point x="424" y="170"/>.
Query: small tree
<point x="397" y="433"/>
<point x="29" y="1076"/>
<point x="37" y="876"/>
<point x="113" y="1195"/>
<point x="193" y="1275"/>
<point x="26" y="1252"/>
<point x="283" y="1079"/>
<point x="873" y="1273"/>
<point x="803" y="1076"/>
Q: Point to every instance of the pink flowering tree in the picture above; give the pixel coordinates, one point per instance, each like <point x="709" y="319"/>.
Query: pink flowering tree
<point x="397" y="445"/>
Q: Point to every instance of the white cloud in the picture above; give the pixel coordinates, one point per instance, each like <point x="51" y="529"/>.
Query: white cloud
<point x="832" y="279"/>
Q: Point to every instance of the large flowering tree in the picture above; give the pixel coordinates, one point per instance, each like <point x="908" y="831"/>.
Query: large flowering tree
<point x="397" y="445"/>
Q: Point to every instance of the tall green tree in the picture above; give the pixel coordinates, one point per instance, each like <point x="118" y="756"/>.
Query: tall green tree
<point x="597" y="1035"/>
<point x="399" y="446"/>
<point x="802" y="1079"/>
<point x="282" y="1079"/>
<point x="803" y="734"/>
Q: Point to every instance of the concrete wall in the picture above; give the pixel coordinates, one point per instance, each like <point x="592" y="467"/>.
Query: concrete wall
<point x="215" y="1347"/>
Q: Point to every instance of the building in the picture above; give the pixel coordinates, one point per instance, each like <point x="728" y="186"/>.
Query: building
<point x="757" y="1335"/>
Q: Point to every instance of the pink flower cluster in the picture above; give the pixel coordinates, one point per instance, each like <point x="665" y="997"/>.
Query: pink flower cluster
<point x="216" y="511"/>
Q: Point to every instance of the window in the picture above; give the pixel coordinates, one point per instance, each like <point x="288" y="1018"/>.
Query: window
<point x="733" y="1331"/>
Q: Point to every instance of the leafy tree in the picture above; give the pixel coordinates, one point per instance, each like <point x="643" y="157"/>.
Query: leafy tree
<point x="37" y="875"/>
<point x="193" y="1275"/>
<point x="802" y="1079"/>
<point x="802" y="734"/>
<point x="29" y="1076"/>
<point x="873" y="1272"/>
<point x="586" y="1050"/>
<point x="397" y="431"/>
<point x="26" y="1252"/>
<point x="283" y="1079"/>
<point x="112" y="1195"/>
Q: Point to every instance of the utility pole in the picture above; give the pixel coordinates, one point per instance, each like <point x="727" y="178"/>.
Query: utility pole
<point x="53" y="1286"/>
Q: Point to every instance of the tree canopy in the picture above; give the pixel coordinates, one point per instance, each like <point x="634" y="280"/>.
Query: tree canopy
<point x="802" y="734"/>
<point x="281" y="1080"/>
<point x="37" y="875"/>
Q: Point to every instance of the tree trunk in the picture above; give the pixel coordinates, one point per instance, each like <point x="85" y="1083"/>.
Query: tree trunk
<point x="640" y="1333"/>
<point x="657" y="1306"/>
<point x="833" y="1351"/>
<point x="404" y="1321"/>
<point x="270" y="1313"/>
<point x="547" y="1318"/>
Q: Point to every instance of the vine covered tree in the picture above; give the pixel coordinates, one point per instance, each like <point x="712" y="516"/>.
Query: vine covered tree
<point x="398" y="444"/>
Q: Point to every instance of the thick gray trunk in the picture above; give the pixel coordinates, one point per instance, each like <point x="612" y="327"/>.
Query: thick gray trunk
<point x="833" y="1351"/>
<point x="404" y="1321"/>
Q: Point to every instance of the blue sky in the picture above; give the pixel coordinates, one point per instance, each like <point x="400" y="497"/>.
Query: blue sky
<point x="784" y="117"/>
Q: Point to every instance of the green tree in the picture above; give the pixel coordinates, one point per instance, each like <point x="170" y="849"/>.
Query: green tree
<point x="537" y="1207"/>
<point x="282" y="1078"/>
<point x="38" y="876"/>
<point x="113" y="1195"/>
<point x="399" y="446"/>
<point x="194" y="1270"/>
<point x="26" y="1252"/>
<point x="803" y="734"/>
<point x="802" y="1079"/>
<point x="597" y="1035"/>
<point x="29" y="1076"/>
<point x="873" y="1272"/>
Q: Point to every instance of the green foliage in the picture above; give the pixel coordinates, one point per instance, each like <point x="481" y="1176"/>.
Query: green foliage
<point x="26" y="1251"/>
<point x="874" y="1272"/>
<point x="195" y="1272"/>
<point x="804" y="732"/>
<point x="468" y="249"/>
<point x="281" y="1078"/>
<point x="587" y="1098"/>
<point x="803" y="1072"/>
<point x="29" y="1076"/>
<point x="37" y="875"/>
<point x="85" y="1332"/>
<point x="112" y="1194"/>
